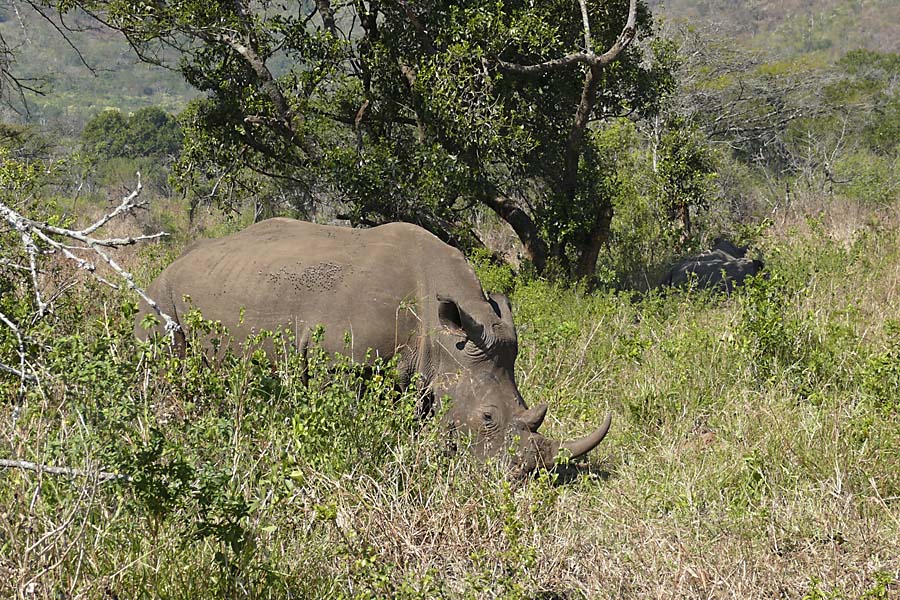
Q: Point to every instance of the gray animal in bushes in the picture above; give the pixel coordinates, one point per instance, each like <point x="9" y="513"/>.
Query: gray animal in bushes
<point x="390" y="290"/>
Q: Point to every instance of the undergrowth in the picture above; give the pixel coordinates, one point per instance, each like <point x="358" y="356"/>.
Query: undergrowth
<point x="754" y="452"/>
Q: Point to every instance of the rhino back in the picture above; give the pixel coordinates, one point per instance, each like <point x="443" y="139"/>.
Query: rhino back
<point x="282" y="273"/>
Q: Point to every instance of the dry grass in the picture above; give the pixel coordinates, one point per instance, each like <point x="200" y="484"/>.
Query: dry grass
<point x="722" y="478"/>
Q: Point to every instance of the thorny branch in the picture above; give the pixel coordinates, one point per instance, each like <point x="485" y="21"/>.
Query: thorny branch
<point x="40" y="238"/>
<point x="39" y="468"/>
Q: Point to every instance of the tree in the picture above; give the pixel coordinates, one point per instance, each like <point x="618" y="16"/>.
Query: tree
<point x="418" y="111"/>
<point x="105" y="136"/>
<point x="154" y="133"/>
<point x="685" y="172"/>
<point x="148" y="133"/>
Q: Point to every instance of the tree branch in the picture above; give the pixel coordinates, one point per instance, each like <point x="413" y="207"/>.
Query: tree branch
<point x="22" y="372"/>
<point x="268" y="83"/>
<point x="30" y="230"/>
<point x="588" y="57"/>
<point x="588" y="45"/>
<point x="39" y="468"/>
<point x="525" y="228"/>
<point x="326" y="11"/>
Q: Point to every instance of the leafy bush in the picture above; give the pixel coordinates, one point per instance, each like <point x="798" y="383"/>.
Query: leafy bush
<point x="771" y="333"/>
<point x="879" y="375"/>
<point x="147" y="133"/>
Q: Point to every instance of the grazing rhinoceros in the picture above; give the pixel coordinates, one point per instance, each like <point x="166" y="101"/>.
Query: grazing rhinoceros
<point x="391" y="289"/>
<point x="721" y="268"/>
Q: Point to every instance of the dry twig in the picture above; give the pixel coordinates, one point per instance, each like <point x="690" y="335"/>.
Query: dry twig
<point x="40" y="238"/>
<point x="39" y="468"/>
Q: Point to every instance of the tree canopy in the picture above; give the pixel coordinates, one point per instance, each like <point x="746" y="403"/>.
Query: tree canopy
<point x="148" y="132"/>
<point x="422" y="111"/>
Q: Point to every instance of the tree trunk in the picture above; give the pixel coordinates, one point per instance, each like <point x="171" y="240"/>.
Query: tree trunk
<point x="535" y="248"/>
<point x="587" y="261"/>
<point x="576" y="135"/>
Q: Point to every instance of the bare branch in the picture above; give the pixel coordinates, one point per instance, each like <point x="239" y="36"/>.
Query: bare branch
<point x="22" y="372"/>
<point x="556" y="64"/>
<point x="62" y="31"/>
<point x="32" y="251"/>
<point x="588" y="45"/>
<point x="588" y="57"/>
<point x="625" y="38"/>
<point x="31" y="230"/>
<point x="128" y="204"/>
<point x="39" y="468"/>
<point x="13" y="265"/>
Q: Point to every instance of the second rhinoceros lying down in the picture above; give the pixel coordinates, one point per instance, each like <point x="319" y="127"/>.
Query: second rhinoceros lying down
<point x="721" y="268"/>
<point x="391" y="289"/>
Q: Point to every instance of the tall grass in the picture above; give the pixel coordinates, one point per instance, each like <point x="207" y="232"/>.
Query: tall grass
<point x="755" y="453"/>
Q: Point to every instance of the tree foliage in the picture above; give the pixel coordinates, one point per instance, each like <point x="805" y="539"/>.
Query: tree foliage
<point x="147" y="133"/>
<point x="419" y="111"/>
<point x="685" y="172"/>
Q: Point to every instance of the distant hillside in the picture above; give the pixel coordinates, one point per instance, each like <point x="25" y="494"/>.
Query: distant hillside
<point x="73" y="93"/>
<point x="830" y="27"/>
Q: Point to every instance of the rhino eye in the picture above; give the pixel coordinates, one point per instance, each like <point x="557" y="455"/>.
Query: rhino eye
<point x="487" y="417"/>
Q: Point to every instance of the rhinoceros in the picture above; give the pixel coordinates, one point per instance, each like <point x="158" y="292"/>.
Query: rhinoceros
<point x="721" y="268"/>
<point x="393" y="289"/>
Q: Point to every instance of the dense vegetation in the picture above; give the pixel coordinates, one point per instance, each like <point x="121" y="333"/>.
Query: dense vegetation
<point x="755" y="450"/>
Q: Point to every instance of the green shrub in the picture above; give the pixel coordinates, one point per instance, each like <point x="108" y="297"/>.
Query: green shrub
<point x="879" y="375"/>
<point x="771" y="333"/>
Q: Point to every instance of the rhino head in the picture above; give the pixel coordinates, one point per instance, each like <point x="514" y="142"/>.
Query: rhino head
<point x="474" y="366"/>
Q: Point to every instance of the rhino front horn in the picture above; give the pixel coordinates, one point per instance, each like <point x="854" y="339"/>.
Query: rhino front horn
<point x="583" y="445"/>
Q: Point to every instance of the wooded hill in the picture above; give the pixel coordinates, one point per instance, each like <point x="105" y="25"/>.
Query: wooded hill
<point x="830" y="27"/>
<point x="74" y="92"/>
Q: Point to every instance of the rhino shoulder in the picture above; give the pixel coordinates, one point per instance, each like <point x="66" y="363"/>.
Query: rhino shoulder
<point x="195" y="245"/>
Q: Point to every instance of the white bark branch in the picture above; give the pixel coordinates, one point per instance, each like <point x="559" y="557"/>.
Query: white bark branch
<point x="49" y="236"/>
<point x="39" y="468"/>
<point x="128" y="204"/>
<point x="22" y="372"/>
<point x="588" y="57"/>
<point x="588" y="45"/>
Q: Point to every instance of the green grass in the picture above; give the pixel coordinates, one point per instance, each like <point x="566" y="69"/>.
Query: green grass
<point x="755" y="453"/>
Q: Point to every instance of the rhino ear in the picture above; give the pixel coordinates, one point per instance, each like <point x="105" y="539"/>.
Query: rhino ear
<point x="448" y="314"/>
<point x="457" y="319"/>
<point x="502" y="306"/>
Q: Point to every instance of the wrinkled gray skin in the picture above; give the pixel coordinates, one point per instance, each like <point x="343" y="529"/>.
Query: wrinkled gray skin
<point x="392" y="289"/>
<point x="722" y="268"/>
